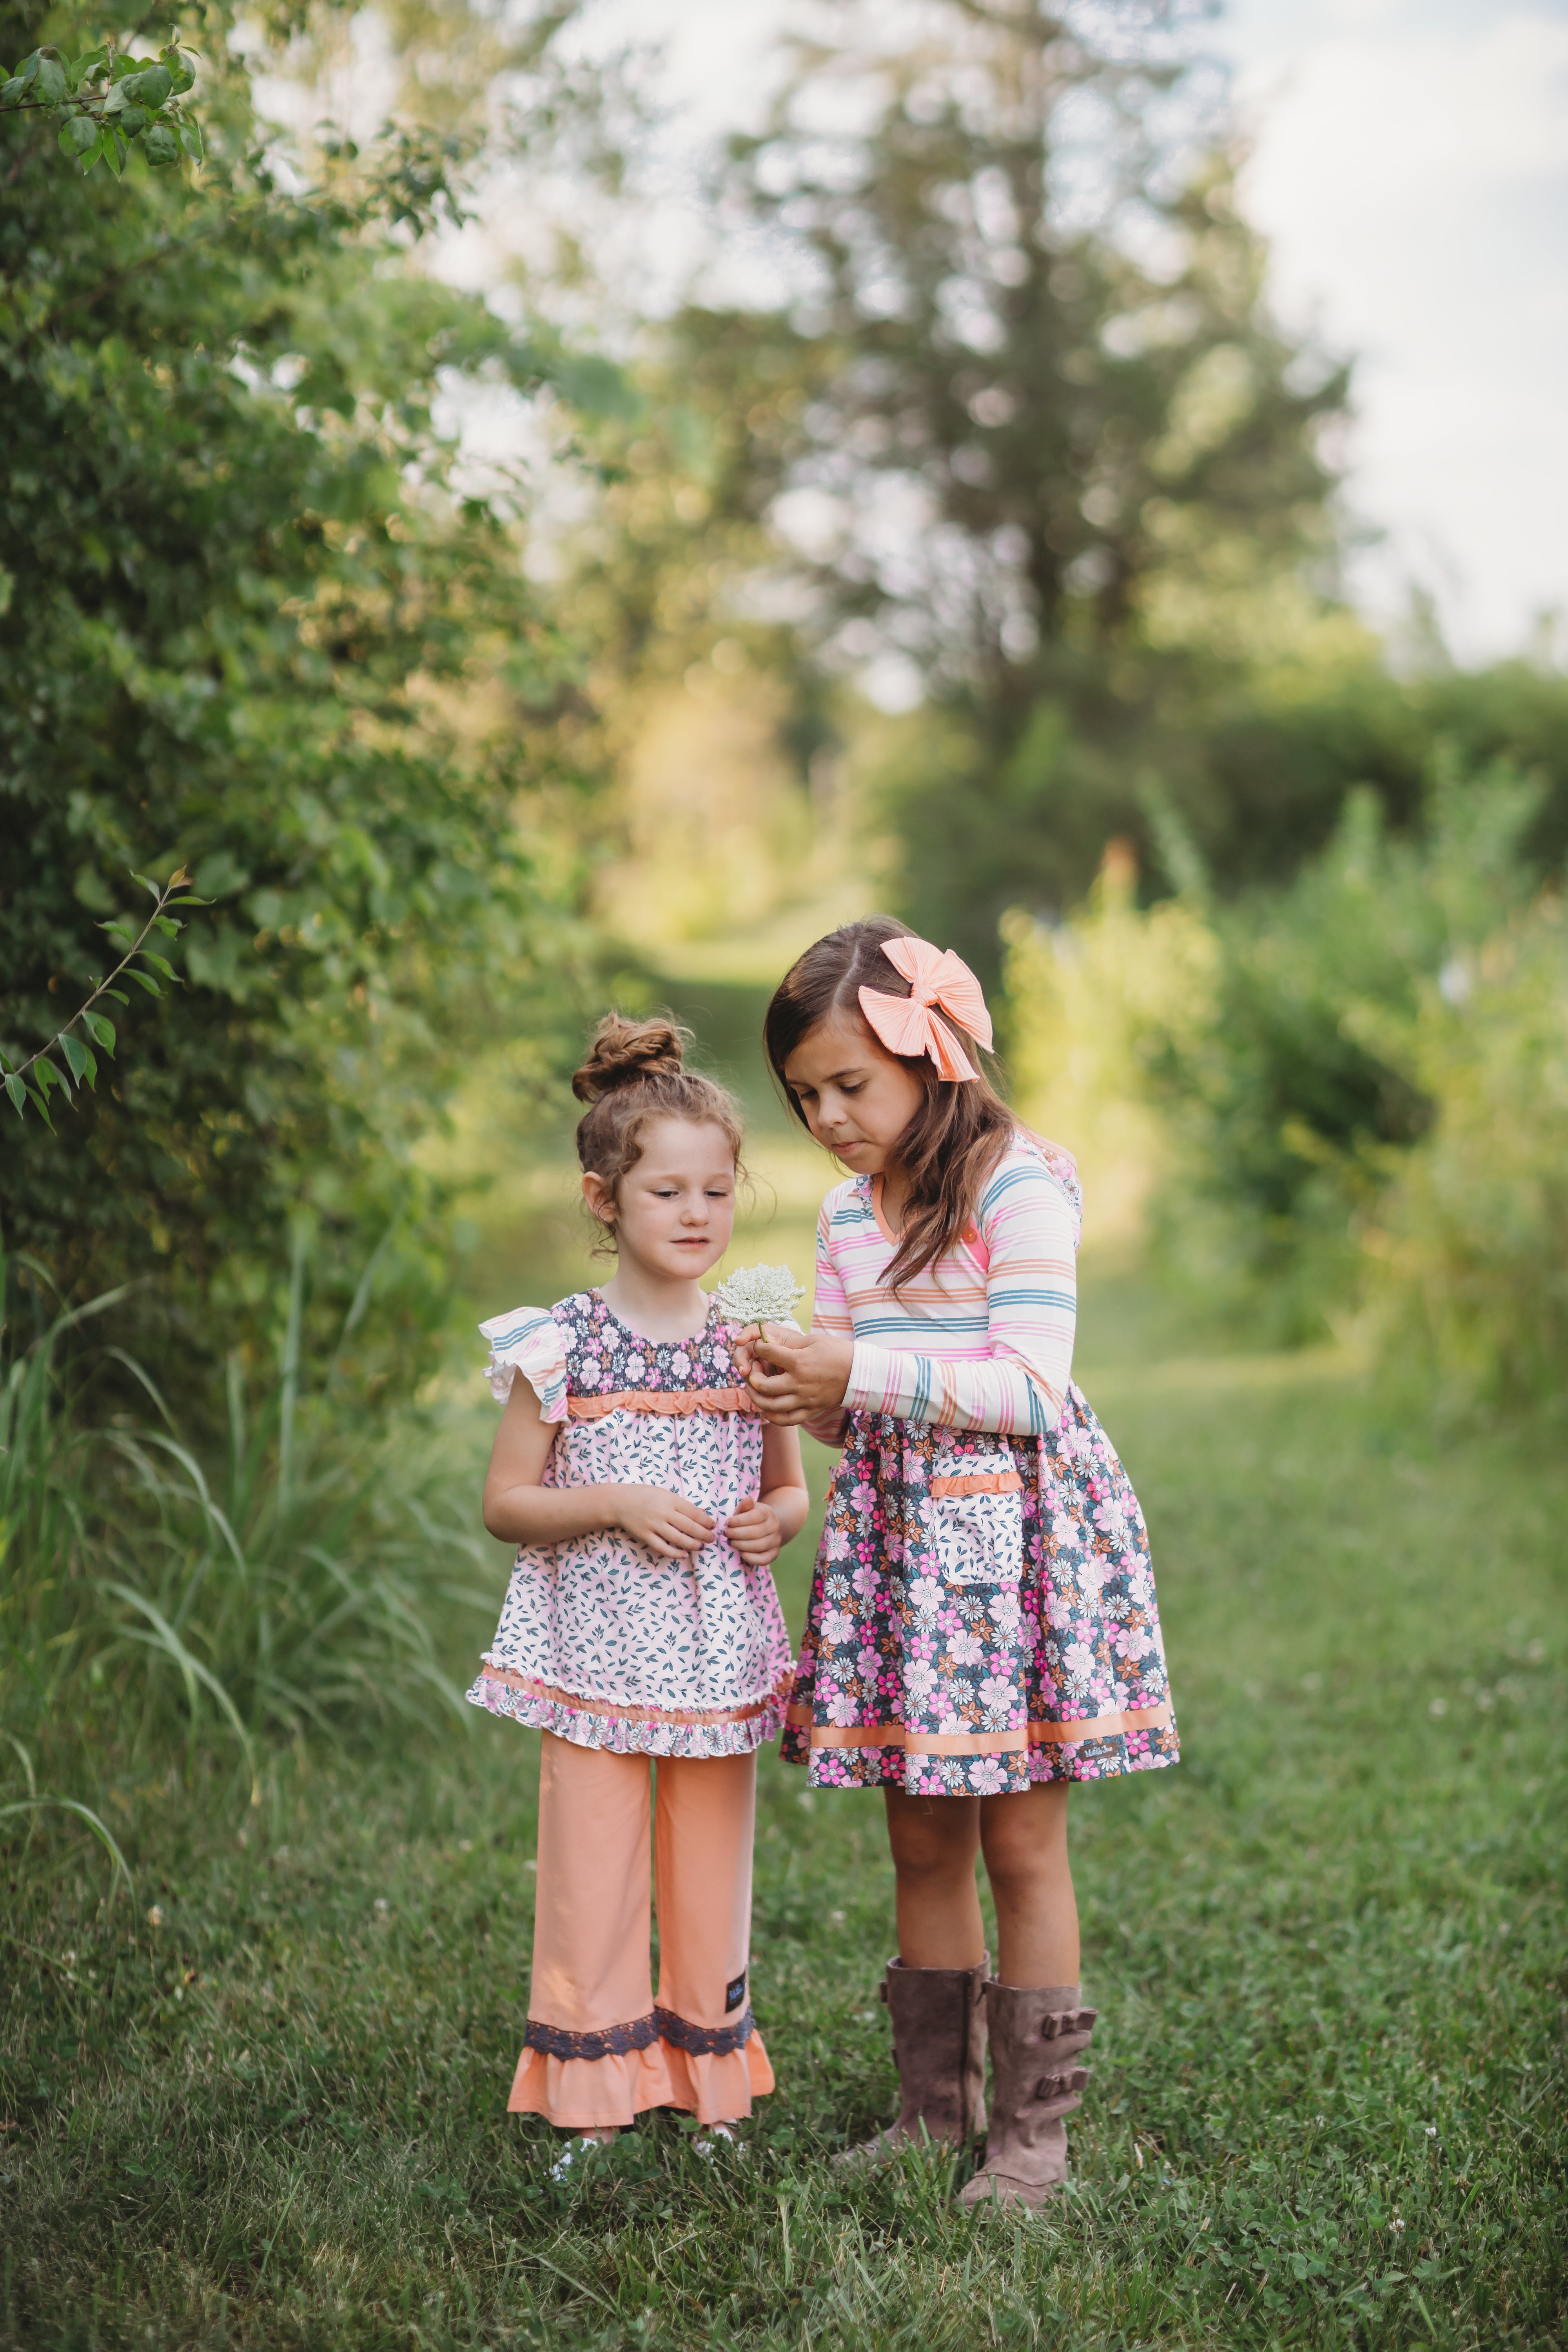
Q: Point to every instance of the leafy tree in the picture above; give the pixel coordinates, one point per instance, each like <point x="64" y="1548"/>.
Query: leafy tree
<point x="1025" y="419"/>
<point x="105" y="101"/>
<point x="252" y="627"/>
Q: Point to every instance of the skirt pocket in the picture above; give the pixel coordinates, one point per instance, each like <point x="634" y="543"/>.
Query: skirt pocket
<point x="975" y="1526"/>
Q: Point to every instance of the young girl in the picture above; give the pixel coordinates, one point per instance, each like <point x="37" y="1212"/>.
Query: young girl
<point x="982" y="1628"/>
<point x="641" y="1620"/>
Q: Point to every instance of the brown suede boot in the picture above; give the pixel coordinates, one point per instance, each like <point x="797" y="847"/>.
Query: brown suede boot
<point x="1035" y="2039"/>
<point x="939" y="2041"/>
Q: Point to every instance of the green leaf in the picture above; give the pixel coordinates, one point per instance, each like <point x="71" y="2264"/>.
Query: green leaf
<point x="102" y="1031"/>
<point x="160" y="964"/>
<point x="192" y="902"/>
<point x="191" y="140"/>
<point x="51" y="80"/>
<point x="149" y="88"/>
<point x="145" y="979"/>
<point x="164" y="923"/>
<point x="161" y="146"/>
<point x="152" y="888"/>
<point x="41" y="1107"/>
<point x="79" y="1057"/>
<point x="17" y="1092"/>
<point x="118" y="995"/>
<point x="95" y="152"/>
<point x="13" y="91"/>
<point x="78" y="135"/>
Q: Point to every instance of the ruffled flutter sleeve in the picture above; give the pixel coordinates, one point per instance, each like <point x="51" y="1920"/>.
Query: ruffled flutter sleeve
<point x="528" y="1342"/>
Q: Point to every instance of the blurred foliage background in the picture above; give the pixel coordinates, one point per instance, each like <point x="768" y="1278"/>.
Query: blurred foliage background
<point x="496" y="627"/>
<point x="411" y="534"/>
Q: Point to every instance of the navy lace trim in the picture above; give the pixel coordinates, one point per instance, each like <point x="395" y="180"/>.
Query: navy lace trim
<point x="619" y="2040"/>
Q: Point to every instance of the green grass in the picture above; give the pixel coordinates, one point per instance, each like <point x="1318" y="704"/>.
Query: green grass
<point x="1328" y="1953"/>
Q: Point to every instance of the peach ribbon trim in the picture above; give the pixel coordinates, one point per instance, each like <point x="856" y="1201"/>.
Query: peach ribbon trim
<point x="676" y="1401"/>
<point x="979" y="1743"/>
<point x="686" y="1718"/>
<point x="979" y="1482"/>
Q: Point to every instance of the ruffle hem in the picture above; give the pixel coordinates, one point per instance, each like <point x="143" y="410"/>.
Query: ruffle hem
<point x="590" y="2094"/>
<point x="588" y="1725"/>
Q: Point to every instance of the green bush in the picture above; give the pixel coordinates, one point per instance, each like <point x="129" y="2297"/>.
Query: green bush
<point x="1470" y="1246"/>
<point x="1303" y="1087"/>
<point x="247" y="623"/>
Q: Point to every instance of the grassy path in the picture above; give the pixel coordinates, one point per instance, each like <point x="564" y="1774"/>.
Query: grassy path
<point x="1328" y="1952"/>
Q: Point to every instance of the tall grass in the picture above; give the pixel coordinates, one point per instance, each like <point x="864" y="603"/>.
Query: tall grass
<point x="297" y="1573"/>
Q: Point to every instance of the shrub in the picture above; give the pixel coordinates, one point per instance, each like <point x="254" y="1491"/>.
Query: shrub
<point x="1470" y="1246"/>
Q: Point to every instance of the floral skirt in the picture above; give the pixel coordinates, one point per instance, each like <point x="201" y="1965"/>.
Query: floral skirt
<point x="982" y="1615"/>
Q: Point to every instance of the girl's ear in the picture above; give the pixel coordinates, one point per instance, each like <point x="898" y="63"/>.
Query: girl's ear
<point x="600" y="1197"/>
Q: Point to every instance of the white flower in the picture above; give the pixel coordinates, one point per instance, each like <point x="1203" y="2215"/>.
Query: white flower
<point x="759" y="1295"/>
<point x="925" y="1595"/>
<point x="838" y="1626"/>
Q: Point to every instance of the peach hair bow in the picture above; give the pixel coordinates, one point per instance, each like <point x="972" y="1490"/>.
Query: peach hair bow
<point x="910" y="1024"/>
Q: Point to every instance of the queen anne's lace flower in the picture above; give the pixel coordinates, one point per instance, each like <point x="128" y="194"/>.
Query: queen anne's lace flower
<point x="759" y="1295"/>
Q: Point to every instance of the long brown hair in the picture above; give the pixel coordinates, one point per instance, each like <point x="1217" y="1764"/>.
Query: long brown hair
<point x="961" y="1127"/>
<point x="635" y="1071"/>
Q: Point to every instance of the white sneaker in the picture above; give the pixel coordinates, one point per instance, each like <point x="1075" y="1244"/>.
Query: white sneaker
<point x="706" y="2145"/>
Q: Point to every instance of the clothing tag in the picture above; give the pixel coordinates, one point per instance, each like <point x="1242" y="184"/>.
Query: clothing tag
<point x="735" y="1992"/>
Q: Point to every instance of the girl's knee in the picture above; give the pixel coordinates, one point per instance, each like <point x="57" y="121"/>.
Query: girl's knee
<point x="930" y="1841"/>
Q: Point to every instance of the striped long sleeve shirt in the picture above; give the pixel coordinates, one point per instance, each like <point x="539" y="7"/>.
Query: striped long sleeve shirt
<point x="982" y="1338"/>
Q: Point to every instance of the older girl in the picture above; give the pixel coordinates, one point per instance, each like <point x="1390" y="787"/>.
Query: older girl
<point x="983" y="1629"/>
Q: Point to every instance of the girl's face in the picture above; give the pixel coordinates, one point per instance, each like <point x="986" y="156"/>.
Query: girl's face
<point x="676" y="1204"/>
<point x="856" y="1098"/>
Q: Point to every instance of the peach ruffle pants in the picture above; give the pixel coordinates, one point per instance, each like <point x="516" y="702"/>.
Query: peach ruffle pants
<point x="599" y="2048"/>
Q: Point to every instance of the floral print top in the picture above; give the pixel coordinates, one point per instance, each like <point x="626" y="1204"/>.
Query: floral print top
<point x="601" y="1641"/>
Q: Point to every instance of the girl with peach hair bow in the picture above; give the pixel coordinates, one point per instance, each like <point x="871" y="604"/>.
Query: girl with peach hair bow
<point x="982" y="1630"/>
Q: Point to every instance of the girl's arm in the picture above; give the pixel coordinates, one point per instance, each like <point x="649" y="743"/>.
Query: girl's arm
<point x="519" y="1510"/>
<point x="760" y="1530"/>
<point x="1031" y="1303"/>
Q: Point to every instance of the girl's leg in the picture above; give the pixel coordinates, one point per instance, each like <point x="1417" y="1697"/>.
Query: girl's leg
<point x="1025" y="1841"/>
<point x="704" y="1824"/>
<point x="591" y="1930"/>
<point x="934" y="1842"/>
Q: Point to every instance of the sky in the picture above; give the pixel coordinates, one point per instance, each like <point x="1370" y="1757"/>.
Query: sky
<point x="1409" y="165"/>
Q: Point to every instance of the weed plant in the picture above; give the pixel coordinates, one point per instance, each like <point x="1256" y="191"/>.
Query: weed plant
<point x="263" y="2105"/>
<point x="151" y="1593"/>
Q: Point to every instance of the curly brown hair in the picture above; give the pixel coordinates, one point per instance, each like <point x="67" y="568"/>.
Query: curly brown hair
<point x="635" y="1071"/>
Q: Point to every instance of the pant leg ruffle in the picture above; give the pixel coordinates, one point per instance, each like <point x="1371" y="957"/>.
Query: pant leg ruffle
<point x="593" y="2093"/>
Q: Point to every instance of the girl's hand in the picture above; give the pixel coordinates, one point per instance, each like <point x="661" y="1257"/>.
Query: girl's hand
<point x="666" y="1523"/>
<point x="795" y="1376"/>
<point x="756" y="1532"/>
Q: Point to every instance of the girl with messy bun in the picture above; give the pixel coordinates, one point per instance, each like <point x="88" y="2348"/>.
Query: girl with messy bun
<point x="648" y="1503"/>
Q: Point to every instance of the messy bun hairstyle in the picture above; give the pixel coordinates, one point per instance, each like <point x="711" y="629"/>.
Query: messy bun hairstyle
<point x="635" y="1071"/>
<point x="960" y="1131"/>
